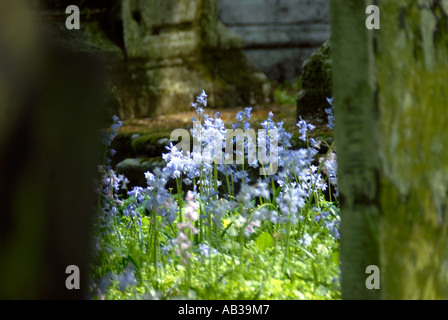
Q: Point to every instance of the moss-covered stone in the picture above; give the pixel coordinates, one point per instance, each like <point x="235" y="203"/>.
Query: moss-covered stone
<point x="134" y="169"/>
<point x="316" y="83"/>
<point x="235" y="81"/>
<point x="151" y="145"/>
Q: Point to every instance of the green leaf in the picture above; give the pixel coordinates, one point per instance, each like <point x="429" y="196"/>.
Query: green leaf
<point x="335" y="257"/>
<point x="309" y="254"/>
<point x="315" y="274"/>
<point x="264" y="241"/>
<point x="334" y="210"/>
<point x="225" y="230"/>
<point x="135" y="263"/>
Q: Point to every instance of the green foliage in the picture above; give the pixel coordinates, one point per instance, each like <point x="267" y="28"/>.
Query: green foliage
<point x="287" y="93"/>
<point x="264" y="241"/>
<point x="311" y="272"/>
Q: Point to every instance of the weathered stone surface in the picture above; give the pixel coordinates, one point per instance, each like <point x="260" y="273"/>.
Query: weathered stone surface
<point x="228" y="39"/>
<point x="161" y="29"/>
<point x="274" y="11"/>
<point x="276" y="36"/>
<point x="165" y="46"/>
<point x="143" y="89"/>
<point x="173" y="49"/>
<point x="156" y="15"/>
<point x="275" y="28"/>
<point x="161" y="54"/>
<point x="280" y="64"/>
<point x="316" y="83"/>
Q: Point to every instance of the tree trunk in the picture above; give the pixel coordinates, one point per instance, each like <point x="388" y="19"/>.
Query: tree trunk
<point x="356" y="144"/>
<point x="391" y="97"/>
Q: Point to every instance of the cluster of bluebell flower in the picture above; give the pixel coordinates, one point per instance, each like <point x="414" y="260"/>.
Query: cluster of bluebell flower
<point x="330" y="113"/>
<point x="110" y="183"/>
<point x="225" y="199"/>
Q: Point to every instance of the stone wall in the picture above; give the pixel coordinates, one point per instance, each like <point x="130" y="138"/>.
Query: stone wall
<point x="174" y="50"/>
<point x="161" y="54"/>
<point x="278" y="35"/>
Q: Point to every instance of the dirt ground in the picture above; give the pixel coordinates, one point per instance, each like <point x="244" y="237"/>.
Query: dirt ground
<point x="282" y="112"/>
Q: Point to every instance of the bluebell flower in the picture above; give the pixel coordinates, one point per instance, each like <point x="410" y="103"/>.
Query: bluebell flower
<point x="261" y="189"/>
<point x="284" y="136"/>
<point x="116" y="124"/>
<point x="290" y="200"/>
<point x="330" y="114"/>
<point x="239" y="175"/>
<point x="239" y="116"/>
<point x="333" y="227"/>
<point x="330" y="117"/>
<point x="101" y="287"/>
<point x="248" y="113"/>
<point x="306" y="240"/>
<point x="336" y="233"/>
<point x="126" y="279"/>
<point x="108" y="137"/>
<point x="314" y="144"/>
<point x="268" y="214"/>
<point x="129" y="211"/>
<point x="201" y="103"/>
<point x="202" y="99"/>
<point x="138" y="193"/>
<point x="304" y="128"/>
<point x="165" y="250"/>
<point x="245" y="194"/>
<point x="206" y="250"/>
<point x="330" y="168"/>
<point x="250" y="228"/>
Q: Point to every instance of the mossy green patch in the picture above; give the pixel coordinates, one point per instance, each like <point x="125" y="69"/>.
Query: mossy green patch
<point x="151" y="142"/>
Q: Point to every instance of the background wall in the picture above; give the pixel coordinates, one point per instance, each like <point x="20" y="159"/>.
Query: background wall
<point x="278" y="35"/>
